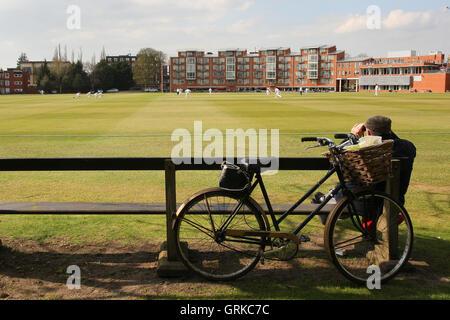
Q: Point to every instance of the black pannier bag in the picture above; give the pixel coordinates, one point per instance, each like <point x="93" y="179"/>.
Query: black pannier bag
<point x="234" y="177"/>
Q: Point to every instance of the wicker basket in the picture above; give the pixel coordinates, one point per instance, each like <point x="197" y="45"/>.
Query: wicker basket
<point x="366" y="166"/>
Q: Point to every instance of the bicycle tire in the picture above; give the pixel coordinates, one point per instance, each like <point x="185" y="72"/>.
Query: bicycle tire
<point x="208" y="254"/>
<point x="357" y="236"/>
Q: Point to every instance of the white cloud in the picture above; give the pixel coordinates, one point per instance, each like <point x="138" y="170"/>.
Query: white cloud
<point x="396" y="19"/>
<point x="209" y="5"/>
<point x="246" y="5"/>
<point x="400" y="19"/>
<point x="168" y="25"/>
<point x="243" y="26"/>
<point x="353" y="23"/>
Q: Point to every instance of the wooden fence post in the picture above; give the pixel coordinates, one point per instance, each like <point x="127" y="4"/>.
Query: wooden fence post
<point x="171" y="208"/>
<point x="168" y="262"/>
<point x="391" y="233"/>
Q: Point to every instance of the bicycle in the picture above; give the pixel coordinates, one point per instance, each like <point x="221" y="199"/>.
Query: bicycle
<point x="227" y="232"/>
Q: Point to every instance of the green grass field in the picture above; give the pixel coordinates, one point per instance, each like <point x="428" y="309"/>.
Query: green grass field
<point x="135" y="125"/>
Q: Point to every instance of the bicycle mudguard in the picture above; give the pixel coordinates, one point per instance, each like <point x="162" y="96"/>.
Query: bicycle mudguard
<point x="204" y="191"/>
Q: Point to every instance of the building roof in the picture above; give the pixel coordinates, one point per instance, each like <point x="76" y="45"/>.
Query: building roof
<point x="37" y="61"/>
<point x="121" y="55"/>
<point x="231" y="49"/>
<point x="354" y="59"/>
<point x="190" y="49"/>
<point x="318" y="47"/>
<point x="337" y="52"/>
<point x="274" y="48"/>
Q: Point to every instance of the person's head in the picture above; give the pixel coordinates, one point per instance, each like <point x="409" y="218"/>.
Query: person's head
<point x="378" y="126"/>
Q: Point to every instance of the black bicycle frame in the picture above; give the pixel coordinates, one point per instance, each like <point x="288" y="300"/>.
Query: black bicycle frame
<point x="276" y="222"/>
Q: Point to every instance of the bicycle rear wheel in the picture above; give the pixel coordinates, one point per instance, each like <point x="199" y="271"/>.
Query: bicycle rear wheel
<point x="373" y="229"/>
<point x="210" y="253"/>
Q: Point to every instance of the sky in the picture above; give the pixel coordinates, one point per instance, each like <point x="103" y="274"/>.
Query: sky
<point x="125" y="26"/>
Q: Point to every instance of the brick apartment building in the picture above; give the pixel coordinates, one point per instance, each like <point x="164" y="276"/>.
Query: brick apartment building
<point x="238" y="70"/>
<point x="404" y="71"/>
<point x="348" y="72"/>
<point x="13" y="80"/>
<point x="321" y="68"/>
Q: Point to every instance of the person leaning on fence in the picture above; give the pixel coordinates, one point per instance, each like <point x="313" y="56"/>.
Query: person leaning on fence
<point x="381" y="126"/>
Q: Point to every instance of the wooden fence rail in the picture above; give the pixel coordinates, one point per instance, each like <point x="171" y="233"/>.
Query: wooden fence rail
<point x="169" y="166"/>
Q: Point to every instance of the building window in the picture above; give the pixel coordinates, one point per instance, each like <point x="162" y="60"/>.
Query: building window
<point x="231" y="68"/>
<point x="313" y="74"/>
<point x="271" y="68"/>
<point x="190" y="69"/>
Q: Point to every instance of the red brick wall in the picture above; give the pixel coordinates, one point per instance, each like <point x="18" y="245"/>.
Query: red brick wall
<point x="19" y="82"/>
<point x="436" y="82"/>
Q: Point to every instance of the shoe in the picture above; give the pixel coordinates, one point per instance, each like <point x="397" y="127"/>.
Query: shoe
<point x="318" y="198"/>
<point x="304" y="238"/>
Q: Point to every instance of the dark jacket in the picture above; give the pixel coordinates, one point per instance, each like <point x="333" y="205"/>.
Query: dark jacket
<point x="403" y="149"/>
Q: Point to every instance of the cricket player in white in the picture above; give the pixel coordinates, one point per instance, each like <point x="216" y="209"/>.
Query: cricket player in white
<point x="376" y="90"/>
<point x="268" y="92"/>
<point x="187" y="92"/>
<point x="277" y="93"/>
<point x="210" y="91"/>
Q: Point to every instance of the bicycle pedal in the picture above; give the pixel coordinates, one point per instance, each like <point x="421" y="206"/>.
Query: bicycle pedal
<point x="304" y="238"/>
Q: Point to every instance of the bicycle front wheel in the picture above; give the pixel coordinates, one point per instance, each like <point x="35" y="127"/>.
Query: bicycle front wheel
<point x="370" y="230"/>
<point x="211" y="253"/>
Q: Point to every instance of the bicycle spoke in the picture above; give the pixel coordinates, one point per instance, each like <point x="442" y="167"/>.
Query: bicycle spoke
<point x="210" y="215"/>
<point x="366" y="239"/>
<point x="198" y="227"/>
<point x="337" y="245"/>
<point x="211" y="253"/>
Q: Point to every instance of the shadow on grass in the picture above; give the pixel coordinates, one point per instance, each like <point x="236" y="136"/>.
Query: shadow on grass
<point x="130" y="273"/>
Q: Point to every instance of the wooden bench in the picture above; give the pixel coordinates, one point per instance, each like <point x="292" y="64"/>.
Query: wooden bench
<point x="169" y="264"/>
<point x="120" y="208"/>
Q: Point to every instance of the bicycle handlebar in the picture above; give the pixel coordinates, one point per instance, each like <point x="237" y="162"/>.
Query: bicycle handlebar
<point x="340" y="135"/>
<point x="349" y="139"/>
<point x="305" y="139"/>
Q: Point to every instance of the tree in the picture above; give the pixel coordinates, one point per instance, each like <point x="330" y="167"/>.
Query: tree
<point x="76" y="79"/>
<point x="123" y="75"/>
<point x="147" y="68"/>
<point x="78" y="83"/>
<point x="45" y="79"/>
<point x="59" y="67"/>
<point x="22" y="58"/>
<point x="103" y="76"/>
<point x="103" y="54"/>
